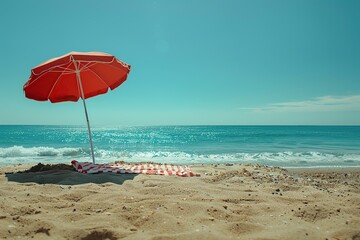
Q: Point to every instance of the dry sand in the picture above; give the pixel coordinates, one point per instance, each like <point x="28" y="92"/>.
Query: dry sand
<point x="226" y="202"/>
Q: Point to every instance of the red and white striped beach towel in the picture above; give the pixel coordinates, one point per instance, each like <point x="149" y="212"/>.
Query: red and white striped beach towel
<point x="146" y="168"/>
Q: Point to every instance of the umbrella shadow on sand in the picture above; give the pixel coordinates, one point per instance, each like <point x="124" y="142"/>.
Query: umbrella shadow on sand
<point x="63" y="174"/>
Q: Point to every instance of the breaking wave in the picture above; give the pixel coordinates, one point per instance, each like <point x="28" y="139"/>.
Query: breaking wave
<point x="21" y="155"/>
<point x="20" y="151"/>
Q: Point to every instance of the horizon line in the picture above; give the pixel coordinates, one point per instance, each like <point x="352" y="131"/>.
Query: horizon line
<point x="190" y="125"/>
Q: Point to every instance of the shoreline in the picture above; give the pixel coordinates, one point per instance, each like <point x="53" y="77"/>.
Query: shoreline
<point x="300" y="168"/>
<point x="246" y="201"/>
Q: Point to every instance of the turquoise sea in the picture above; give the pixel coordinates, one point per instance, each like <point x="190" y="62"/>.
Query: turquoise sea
<point x="285" y="146"/>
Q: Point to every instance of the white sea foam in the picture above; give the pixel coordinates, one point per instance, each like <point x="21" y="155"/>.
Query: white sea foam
<point x="20" y="154"/>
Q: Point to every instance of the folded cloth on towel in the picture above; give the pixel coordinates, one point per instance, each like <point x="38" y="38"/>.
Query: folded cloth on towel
<point x="146" y="168"/>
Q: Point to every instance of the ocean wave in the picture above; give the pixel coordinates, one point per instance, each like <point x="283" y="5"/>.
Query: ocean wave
<point x="20" y="151"/>
<point x="267" y="158"/>
<point x="20" y="154"/>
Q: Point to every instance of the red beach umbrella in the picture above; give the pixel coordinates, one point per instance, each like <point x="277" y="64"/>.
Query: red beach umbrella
<point x="76" y="75"/>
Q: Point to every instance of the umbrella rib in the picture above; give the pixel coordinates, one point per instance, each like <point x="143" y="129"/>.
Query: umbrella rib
<point x="53" y="86"/>
<point x="50" y="69"/>
<point x="95" y="62"/>
<point x="111" y="67"/>
<point x="87" y="65"/>
<point x="44" y="72"/>
<point x="99" y="77"/>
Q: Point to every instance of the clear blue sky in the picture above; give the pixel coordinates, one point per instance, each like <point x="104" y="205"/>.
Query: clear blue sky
<point x="193" y="61"/>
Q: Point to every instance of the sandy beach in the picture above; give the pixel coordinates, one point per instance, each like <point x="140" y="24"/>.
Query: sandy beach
<point x="226" y="202"/>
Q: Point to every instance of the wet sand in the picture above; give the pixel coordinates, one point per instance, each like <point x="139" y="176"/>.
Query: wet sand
<point x="225" y="202"/>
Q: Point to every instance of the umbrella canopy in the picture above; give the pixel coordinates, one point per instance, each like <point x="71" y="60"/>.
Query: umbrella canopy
<point x="76" y="75"/>
<point x="60" y="79"/>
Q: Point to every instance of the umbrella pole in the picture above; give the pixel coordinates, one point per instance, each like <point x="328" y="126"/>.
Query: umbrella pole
<point x="86" y="114"/>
